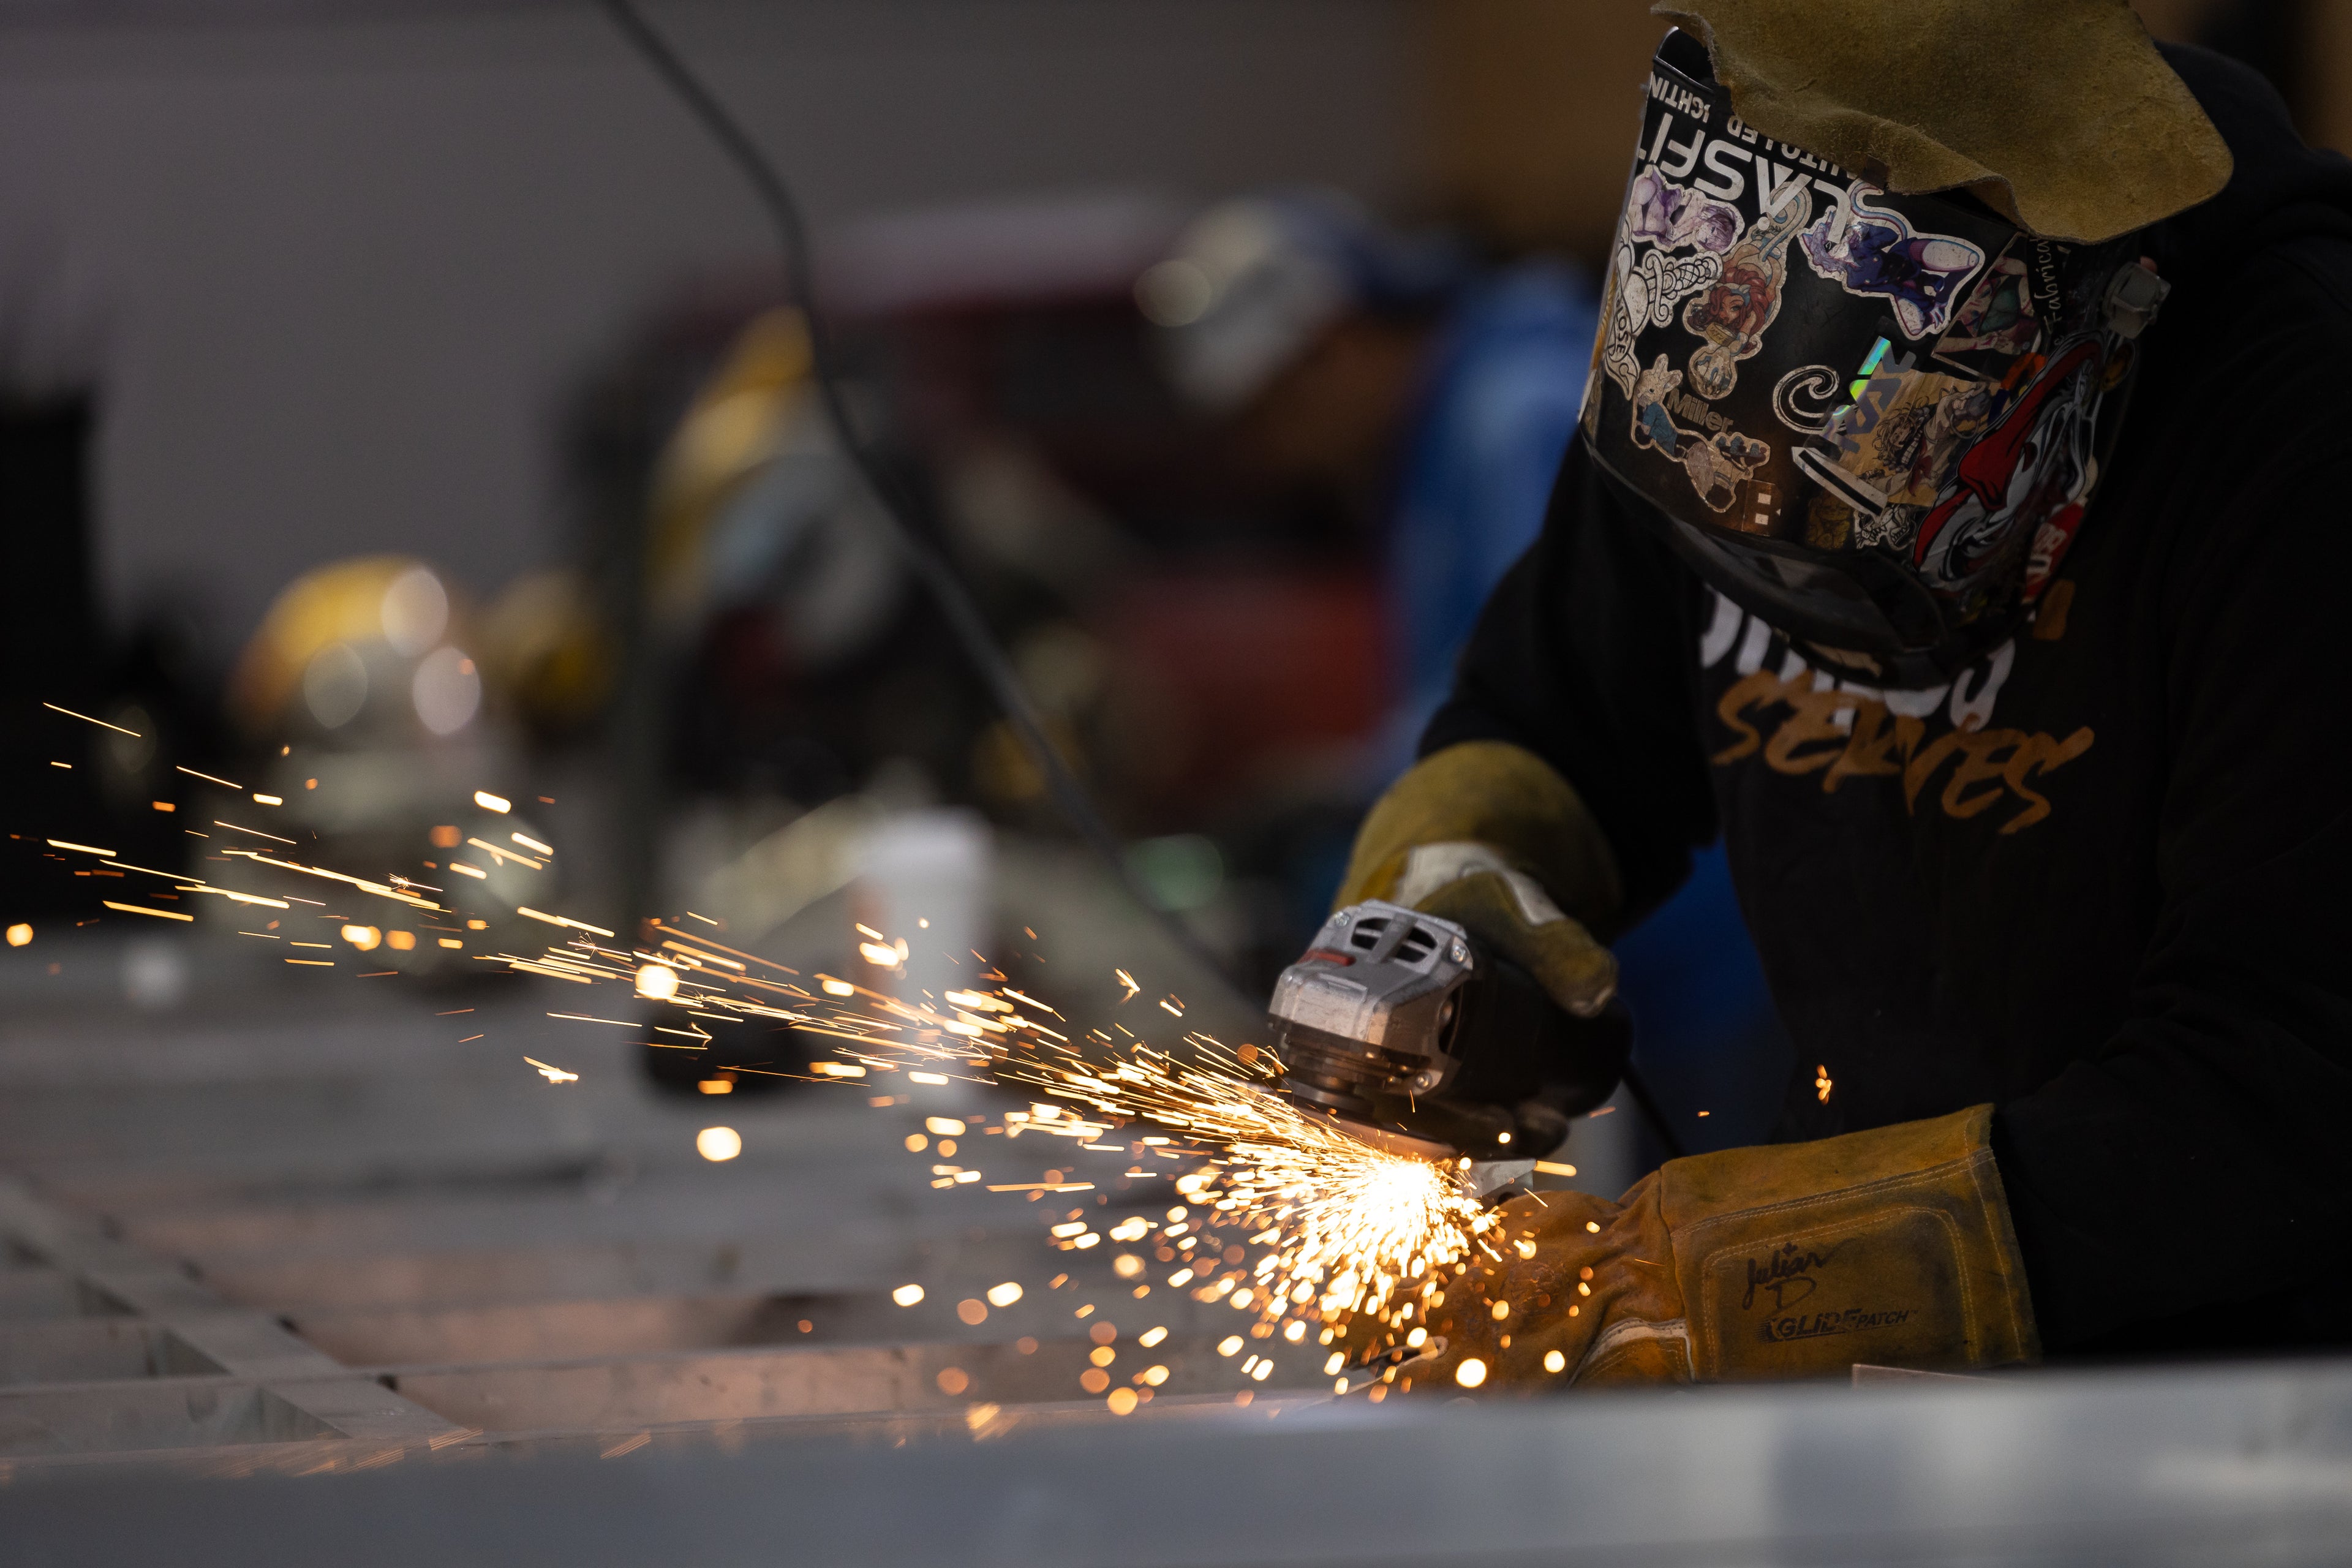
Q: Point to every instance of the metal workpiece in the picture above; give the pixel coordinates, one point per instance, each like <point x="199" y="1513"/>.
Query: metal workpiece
<point x="253" y="1232"/>
<point x="134" y="1355"/>
<point x="356" y="1283"/>
<point x="875" y="1381"/>
<point x="97" y="1349"/>
<point x="2216" y="1465"/>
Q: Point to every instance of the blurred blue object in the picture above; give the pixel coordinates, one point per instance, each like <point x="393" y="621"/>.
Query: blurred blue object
<point x="1705" y="1033"/>
<point x="1505" y="383"/>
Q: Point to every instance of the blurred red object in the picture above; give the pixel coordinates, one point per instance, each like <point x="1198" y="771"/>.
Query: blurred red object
<point x="1244" y="681"/>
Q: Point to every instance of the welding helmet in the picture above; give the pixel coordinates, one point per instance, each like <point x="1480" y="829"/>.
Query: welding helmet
<point x="1871" y="420"/>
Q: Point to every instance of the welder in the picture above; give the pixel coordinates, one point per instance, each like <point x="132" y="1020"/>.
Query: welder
<point x="1957" y="529"/>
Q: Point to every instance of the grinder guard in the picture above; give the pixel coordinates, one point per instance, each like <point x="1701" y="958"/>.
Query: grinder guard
<point x="1393" y="1022"/>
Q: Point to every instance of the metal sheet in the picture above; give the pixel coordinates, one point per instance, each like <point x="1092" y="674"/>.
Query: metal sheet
<point x="2221" y="1465"/>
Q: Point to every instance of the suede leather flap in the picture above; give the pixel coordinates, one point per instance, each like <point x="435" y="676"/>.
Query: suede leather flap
<point x="2058" y="113"/>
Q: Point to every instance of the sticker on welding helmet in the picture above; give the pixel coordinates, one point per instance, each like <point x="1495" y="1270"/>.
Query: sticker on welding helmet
<point x="2035" y="459"/>
<point x="1604" y="343"/>
<point x="1997" y="321"/>
<point x="1620" y="328"/>
<point x="1896" y="440"/>
<point x="1806" y="397"/>
<point x="1906" y="434"/>
<point x="1734" y="314"/>
<point x="1644" y="290"/>
<point x="1664" y="213"/>
<point x="1718" y="462"/>
<point x="1661" y="283"/>
<point x="1588" y="416"/>
<point x="1873" y="252"/>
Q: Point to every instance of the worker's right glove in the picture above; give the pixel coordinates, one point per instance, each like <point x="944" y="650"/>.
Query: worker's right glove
<point x="1486" y="835"/>
<point x="1892" y="1246"/>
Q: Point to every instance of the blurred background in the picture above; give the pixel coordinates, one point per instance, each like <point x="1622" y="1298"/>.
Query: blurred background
<point x="399" y="407"/>
<point x="1230" y="344"/>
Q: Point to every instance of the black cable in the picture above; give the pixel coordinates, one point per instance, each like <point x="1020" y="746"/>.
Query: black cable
<point x="931" y="568"/>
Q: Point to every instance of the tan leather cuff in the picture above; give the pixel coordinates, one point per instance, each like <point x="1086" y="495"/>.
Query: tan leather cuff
<point x="1892" y="1246"/>
<point x="1574" y="970"/>
<point x="1490" y="792"/>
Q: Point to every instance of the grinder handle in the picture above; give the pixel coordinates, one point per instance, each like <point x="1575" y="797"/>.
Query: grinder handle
<point x="1514" y="1041"/>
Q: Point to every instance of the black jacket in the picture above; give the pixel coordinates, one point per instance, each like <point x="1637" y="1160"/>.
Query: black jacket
<point x="2104" y="882"/>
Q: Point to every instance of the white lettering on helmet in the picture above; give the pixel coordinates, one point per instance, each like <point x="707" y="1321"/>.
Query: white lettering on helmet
<point x="1725" y="184"/>
<point x="1687" y="155"/>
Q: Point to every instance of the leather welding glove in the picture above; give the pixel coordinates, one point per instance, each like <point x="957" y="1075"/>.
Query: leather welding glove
<point x="1890" y="1246"/>
<point x="1486" y="835"/>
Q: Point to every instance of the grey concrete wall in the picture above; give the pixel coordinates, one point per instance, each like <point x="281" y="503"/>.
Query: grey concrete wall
<point x="336" y="274"/>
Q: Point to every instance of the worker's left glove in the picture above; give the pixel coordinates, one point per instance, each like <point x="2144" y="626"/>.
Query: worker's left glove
<point x="1486" y="835"/>
<point x="1890" y="1246"/>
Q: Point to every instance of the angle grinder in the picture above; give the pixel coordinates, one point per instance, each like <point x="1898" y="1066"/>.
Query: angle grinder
<point x="1396" y="1024"/>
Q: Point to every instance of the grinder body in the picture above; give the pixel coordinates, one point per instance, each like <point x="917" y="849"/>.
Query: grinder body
<point x="1394" y="1022"/>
